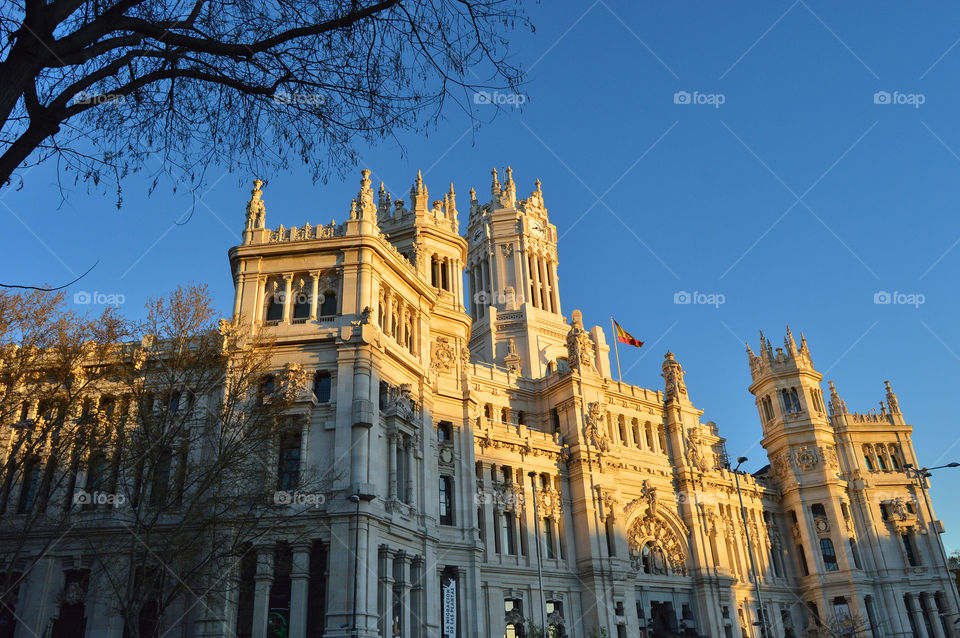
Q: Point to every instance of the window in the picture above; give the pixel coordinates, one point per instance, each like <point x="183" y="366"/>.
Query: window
<point x="867" y="458"/>
<point x="894" y="458"/>
<point x="856" y="554"/>
<point x="288" y="466"/>
<point x="506" y="533"/>
<point x="881" y="459"/>
<point x="328" y="303"/>
<point x="96" y="475"/>
<point x="548" y="541"/>
<point x="795" y="400"/>
<point x="301" y="303"/>
<point x="322" y="382"/>
<point x="909" y="549"/>
<point x="274" y="306"/>
<point x="611" y="536"/>
<point x="445" y="431"/>
<point x="521" y="418"/>
<point x="160" y="484"/>
<point x="563" y="366"/>
<point x="802" y="557"/>
<point x="446" y="500"/>
<point x="30" y="487"/>
<point x="829" y="555"/>
<point x="646" y="557"/>
<point x="818" y="510"/>
<point x="555" y="419"/>
<point x="663" y="439"/>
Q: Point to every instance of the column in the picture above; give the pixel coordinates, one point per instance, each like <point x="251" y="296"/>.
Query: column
<point x="259" y="310"/>
<point x="287" y="296"/>
<point x="263" y="582"/>
<point x="556" y="287"/>
<point x="388" y="312"/>
<point x="392" y="444"/>
<point x="237" y="289"/>
<point x="299" y="582"/>
<point x="411" y="473"/>
<point x="314" y="293"/>
<point x="542" y="277"/>
<point x="930" y="604"/>
<point x="385" y="591"/>
<point x="913" y="608"/>
<point x="416" y="597"/>
<point x="401" y="323"/>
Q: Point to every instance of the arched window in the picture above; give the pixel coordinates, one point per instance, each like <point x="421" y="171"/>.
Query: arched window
<point x="328" y="303"/>
<point x="322" y="382"/>
<point x="663" y="439"/>
<point x="646" y="557"/>
<point x="829" y="555"/>
<point x="274" y="303"/>
<point x="649" y="432"/>
<point x="636" y="434"/>
<point x="881" y="458"/>
<point x="301" y="301"/>
<point x="611" y="536"/>
<point x="435" y="271"/>
<point x="867" y="458"/>
<point x="795" y="400"/>
<point x="622" y="429"/>
<point x="895" y="457"/>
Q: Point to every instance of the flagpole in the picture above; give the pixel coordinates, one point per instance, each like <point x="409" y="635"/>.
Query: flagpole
<point x="616" y="350"/>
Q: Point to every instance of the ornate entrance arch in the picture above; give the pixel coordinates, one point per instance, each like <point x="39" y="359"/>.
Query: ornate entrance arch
<point x="656" y="547"/>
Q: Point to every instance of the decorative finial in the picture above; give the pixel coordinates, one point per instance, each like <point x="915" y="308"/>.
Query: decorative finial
<point x="495" y="186"/>
<point x="789" y="342"/>
<point x="892" y="399"/>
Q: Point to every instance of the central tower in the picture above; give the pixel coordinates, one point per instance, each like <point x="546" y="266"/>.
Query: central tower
<point x="512" y="276"/>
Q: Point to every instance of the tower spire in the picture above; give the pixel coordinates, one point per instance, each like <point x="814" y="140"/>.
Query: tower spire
<point x="495" y="186"/>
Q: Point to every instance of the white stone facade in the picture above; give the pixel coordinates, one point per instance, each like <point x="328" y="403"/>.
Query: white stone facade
<point x="482" y="429"/>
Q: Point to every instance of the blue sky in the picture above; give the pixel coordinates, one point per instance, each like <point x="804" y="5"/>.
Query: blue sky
<point x="797" y="199"/>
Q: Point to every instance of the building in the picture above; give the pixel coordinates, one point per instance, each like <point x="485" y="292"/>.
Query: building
<point x="481" y="448"/>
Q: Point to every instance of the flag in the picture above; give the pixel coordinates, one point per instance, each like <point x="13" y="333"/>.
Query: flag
<point x="625" y="337"/>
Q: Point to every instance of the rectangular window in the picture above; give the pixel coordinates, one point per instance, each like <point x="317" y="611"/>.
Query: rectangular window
<point x="446" y="500"/>
<point x="548" y="538"/>
<point x="856" y="554"/>
<point x="802" y="557"/>
<point x="288" y="467"/>
<point x="507" y="533"/>
<point x="909" y="549"/>
<point x="829" y="555"/>
<point x="321" y="387"/>
<point x="31" y="484"/>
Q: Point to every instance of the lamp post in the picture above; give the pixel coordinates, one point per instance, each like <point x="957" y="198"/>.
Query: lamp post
<point x="921" y="474"/>
<point x="536" y="527"/>
<point x="753" y="565"/>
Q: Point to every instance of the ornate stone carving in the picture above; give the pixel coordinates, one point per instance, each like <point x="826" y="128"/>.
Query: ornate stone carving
<point x="673" y="378"/>
<point x="512" y="359"/>
<point x="443" y="356"/>
<point x="822" y="525"/>
<point x="807" y="458"/>
<point x="593" y="430"/>
<point x="579" y="346"/>
<point x="694" y="453"/>
<point x="291" y="381"/>
<point x="649" y="494"/>
<point x="655" y="548"/>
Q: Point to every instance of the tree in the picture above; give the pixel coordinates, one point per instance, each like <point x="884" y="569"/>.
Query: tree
<point x="160" y="464"/>
<point x="101" y="86"/>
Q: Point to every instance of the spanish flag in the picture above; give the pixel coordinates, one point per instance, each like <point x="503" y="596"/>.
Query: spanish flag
<point x="625" y="337"/>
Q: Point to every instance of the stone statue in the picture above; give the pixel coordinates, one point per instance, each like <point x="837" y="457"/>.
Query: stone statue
<point x="579" y="346"/>
<point x="649" y="494"/>
<point x="673" y="378"/>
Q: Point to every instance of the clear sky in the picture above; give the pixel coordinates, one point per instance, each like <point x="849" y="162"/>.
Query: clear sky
<point x="813" y="164"/>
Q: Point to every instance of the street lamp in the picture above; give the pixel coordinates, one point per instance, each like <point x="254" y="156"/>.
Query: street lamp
<point x="536" y="529"/>
<point x="753" y="565"/>
<point x="921" y="475"/>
